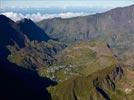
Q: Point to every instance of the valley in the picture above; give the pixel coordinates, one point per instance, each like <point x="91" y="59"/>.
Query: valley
<point x="81" y="58"/>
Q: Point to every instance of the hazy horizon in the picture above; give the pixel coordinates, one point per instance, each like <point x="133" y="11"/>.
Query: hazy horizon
<point x="44" y="9"/>
<point x="65" y="3"/>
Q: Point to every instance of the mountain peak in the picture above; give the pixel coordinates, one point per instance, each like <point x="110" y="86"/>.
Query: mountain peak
<point x="25" y="20"/>
<point x="4" y="19"/>
<point x="33" y="32"/>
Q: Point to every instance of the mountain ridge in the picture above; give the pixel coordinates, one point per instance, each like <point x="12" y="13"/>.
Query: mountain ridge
<point x="112" y="26"/>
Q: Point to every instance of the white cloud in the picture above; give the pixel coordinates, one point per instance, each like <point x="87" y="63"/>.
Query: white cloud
<point x="38" y="17"/>
<point x="70" y="14"/>
<point x="13" y="16"/>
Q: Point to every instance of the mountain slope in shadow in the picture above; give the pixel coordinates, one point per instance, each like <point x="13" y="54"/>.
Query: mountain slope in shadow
<point x="32" y="31"/>
<point x="9" y="35"/>
<point x="17" y="83"/>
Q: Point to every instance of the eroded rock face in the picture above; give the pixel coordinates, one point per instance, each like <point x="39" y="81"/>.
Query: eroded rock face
<point x="117" y="73"/>
<point x="99" y="85"/>
<point x="109" y="81"/>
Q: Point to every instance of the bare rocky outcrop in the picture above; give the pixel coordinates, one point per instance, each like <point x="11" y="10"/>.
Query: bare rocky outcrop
<point x="109" y="81"/>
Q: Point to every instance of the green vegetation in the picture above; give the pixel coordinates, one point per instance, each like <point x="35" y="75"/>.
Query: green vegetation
<point x="84" y="88"/>
<point x="82" y="58"/>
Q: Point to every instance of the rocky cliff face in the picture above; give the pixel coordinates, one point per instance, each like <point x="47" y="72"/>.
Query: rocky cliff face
<point x="109" y="82"/>
<point x="114" y="26"/>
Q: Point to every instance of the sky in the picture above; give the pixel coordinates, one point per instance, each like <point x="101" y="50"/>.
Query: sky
<point x="19" y="9"/>
<point x="65" y="3"/>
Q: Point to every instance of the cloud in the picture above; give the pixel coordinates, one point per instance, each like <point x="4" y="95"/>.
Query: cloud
<point x="38" y="16"/>
<point x="13" y="16"/>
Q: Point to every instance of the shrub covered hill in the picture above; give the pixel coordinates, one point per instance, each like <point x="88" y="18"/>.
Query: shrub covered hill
<point x="84" y="58"/>
<point x="89" y="71"/>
